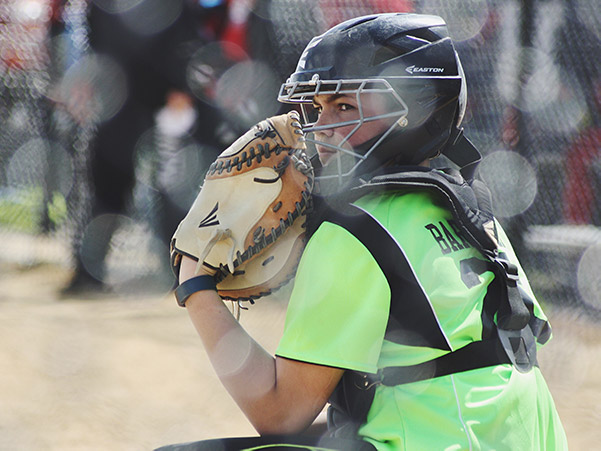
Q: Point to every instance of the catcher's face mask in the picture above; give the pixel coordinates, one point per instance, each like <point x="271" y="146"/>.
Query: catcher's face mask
<point x="346" y="140"/>
<point x="408" y="57"/>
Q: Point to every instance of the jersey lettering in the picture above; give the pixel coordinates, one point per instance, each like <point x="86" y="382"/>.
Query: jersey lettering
<point x="448" y="237"/>
<point x="444" y="246"/>
<point x="455" y="246"/>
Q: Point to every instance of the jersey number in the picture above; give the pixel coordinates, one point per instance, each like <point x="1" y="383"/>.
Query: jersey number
<point x="471" y="269"/>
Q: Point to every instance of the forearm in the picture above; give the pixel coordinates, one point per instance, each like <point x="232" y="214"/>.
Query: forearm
<point x="241" y="364"/>
<point x="277" y="395"/>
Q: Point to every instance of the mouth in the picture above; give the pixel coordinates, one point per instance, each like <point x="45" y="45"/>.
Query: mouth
<point x="325" y="154"/>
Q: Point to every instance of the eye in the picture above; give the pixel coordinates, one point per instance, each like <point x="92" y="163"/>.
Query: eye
<point x="345" y="107"/>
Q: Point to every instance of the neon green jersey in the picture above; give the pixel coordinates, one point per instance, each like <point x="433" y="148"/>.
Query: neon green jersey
<point x="339" y="311"/>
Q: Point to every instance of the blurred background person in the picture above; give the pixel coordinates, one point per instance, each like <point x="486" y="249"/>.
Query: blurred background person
<point x="140" y="100"/>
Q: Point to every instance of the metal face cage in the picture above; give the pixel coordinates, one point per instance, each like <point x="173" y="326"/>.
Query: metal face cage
<point x="298" y="92"/>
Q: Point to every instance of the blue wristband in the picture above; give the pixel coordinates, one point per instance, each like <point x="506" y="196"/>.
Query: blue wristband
<point x="191" y="286"/>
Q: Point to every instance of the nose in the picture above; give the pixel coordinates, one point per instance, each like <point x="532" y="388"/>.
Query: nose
<point x="324" y="119"/>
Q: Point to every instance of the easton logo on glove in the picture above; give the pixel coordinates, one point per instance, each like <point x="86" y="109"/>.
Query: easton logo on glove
<point x="248" y="221"/>
<point x="210" y="220"/>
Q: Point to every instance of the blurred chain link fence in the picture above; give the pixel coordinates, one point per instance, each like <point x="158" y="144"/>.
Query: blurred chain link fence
<point x="534" y="109"/>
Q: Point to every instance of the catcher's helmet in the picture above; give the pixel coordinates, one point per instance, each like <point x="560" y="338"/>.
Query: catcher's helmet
<point x="409" y="57"/>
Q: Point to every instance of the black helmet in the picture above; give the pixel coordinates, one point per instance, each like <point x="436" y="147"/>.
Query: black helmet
<point x="407" y="56"/>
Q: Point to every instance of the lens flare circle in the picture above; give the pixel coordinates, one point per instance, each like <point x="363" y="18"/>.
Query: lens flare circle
<point x="511" y="180"/>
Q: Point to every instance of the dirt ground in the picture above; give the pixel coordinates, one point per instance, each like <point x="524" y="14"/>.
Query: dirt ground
<point x="128" y="373"/>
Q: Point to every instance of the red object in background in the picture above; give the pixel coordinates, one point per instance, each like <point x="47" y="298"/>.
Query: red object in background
<point x="392" y="6"/>
<point x="24" y="29"/>
<point x="579" y="193"/>
<point x="579" y="203"/>
<point x="337" y="11"/>
<point x="510" y="133"/>
<point x="234" y="34"/>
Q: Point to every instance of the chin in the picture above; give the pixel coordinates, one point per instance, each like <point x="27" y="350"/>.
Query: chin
<point x="326" y="159"/>
<point x="325" y="156"/>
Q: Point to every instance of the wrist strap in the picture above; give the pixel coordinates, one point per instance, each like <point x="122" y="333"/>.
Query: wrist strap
<point x="191" y="286"/>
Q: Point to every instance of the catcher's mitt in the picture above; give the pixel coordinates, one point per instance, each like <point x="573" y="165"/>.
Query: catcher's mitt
<point x="248" y="221"/>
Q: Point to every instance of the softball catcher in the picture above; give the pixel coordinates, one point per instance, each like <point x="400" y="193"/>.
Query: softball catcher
<point x="409" y="308"/>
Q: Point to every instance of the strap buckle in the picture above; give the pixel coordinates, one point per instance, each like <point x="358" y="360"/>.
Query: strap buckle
<point x="367" y="381"/>
<point x="510" y="271"/>
<point x="520" y="347"/>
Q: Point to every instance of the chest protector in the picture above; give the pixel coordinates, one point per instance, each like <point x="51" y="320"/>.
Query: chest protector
<point x="510" y="328"/>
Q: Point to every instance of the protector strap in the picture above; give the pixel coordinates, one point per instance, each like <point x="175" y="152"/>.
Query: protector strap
<point x="478" y="354"/>
<point x="412" y="320"/>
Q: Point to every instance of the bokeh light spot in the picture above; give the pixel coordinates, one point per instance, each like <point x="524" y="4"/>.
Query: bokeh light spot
<point x="94" y="87"/>
<point x="116" y="6"/>
<point x="136" y="260"/>
<point x="465" y="19"/>
<point x="540" y="85"/>
<point x="149" y="17"/>
<point x="231" y="354"/>
<point x="589" y="276"/>
<point x="511" y="180"/>
<point x="207" y="64"/>
<point x="248" y="91"/>
<point x="568" y="109"/>
<point x="32" y="165"/>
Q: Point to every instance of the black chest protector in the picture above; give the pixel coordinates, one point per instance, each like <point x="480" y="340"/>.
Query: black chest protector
<point x="510" y="328"/>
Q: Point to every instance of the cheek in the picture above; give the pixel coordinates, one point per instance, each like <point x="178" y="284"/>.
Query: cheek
<point x="339" y="134"/>
<point x="366" y="132"/>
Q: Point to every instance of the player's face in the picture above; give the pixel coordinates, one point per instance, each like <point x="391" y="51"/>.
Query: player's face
<point x="333" y="108"/>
